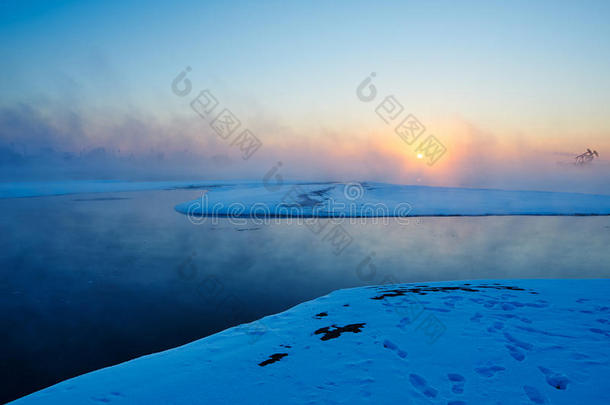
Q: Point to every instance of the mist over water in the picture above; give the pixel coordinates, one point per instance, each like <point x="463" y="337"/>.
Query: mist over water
<point x="140" y="109"/>
<point x="97" y="279"/>
<point x="51" y="143"/>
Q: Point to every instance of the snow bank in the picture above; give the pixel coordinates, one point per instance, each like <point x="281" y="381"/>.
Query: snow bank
<point x="386" y="200"/>
<point x="49" y="188"/>
<point x="261" y="200"/>
<point x="467" y="342"/>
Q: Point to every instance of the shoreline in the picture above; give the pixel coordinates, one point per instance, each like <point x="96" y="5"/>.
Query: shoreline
<point x="377" y="340"/>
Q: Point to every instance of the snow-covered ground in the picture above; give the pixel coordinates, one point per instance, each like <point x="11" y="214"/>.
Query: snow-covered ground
<point x="259" y="199"/>
<point x="49" y="188"/>
<point x="386" y="200"/>
<point x="461" y="342"/>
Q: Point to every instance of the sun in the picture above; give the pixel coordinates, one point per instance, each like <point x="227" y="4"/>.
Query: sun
<point x="419" y="156"/>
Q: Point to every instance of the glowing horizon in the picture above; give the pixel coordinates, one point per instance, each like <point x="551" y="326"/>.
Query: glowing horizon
<point x="513" y="91"/>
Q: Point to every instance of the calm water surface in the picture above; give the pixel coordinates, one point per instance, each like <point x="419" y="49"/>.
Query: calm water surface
<point x="91" y="280"/>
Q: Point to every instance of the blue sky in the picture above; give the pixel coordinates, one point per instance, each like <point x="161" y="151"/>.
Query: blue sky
<point x="533" y="72"/>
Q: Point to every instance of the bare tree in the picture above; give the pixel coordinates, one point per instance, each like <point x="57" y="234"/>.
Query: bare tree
<point x="586" y="157"/>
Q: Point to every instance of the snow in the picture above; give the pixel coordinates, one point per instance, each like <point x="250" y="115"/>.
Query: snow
<point x="49" y="188"/>
<point x="386" y="200"/>
<point x="460" y="342"/>
<point x="259" y="199"/>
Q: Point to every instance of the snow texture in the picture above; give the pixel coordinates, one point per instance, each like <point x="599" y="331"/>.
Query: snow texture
<point x="461" y="342"/>
<point x="259" y="199"/>
<point x="386" y="200"/>
<point x="49" y="188"/>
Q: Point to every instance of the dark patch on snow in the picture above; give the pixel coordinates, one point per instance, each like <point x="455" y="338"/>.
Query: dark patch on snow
<point x="369" y="187"/>
<point x="335" y="333"/>
<point x="308" y="199"/>
<point x="424" y="290"/>
<point x="322" y="192"/>
<point x="273" y="358"/>
<point x="321" y="315"/>
<point x="200" y="187"/>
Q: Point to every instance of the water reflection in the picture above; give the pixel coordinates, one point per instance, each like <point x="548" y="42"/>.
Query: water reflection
<point x="94" y="280"/>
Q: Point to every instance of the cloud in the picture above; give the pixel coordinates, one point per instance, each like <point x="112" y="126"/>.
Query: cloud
<point x="54" y="142"/>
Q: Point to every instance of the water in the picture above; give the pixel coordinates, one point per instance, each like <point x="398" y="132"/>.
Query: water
<point x="91" y="280"/>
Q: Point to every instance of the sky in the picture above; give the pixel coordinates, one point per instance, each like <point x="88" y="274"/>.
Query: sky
<point x="512" y="90"/>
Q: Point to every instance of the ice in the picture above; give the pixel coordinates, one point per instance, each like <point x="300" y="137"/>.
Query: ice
<point x="332" y="199"/>
<point x="499" y="341"/>
<point x="49" y="188"/>
<point x="386" y="200"/>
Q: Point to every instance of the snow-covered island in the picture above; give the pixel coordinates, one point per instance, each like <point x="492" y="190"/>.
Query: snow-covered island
<point x="368" y="199"/>
<point x="459" y="342"/>
<point x="255" y="199"/>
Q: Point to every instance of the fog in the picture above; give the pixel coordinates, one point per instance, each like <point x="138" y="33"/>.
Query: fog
<point x="60" y="144"/>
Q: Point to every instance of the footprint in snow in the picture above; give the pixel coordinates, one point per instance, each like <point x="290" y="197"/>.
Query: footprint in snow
<point x="489" y="371"/>
<point x="476" y="317"/>
<point x="534" y="395"/>
<point x="555" y="380"/>
<point x="392" y="346"/>
<point x="419" y="383"/>
<point x="515" y="353"/>
<point x="600" y="331"/>
<point x="519" y="343"/>
<point x="458" y="382"/>
<point x="497" y="325"/>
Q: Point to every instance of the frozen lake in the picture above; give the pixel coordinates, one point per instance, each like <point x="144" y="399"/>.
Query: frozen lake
<point x="91" y="280"/>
